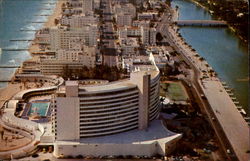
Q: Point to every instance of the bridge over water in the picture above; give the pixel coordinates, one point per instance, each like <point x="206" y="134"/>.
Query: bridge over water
<point x="207" y="23"/>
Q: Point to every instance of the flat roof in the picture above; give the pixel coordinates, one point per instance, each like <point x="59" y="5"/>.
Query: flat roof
<point x="116" y="85"/>
<point x="233" y="124"/>
<point x="71" y="83"/>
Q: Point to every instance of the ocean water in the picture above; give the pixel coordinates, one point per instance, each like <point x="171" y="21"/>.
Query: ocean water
<point x="14" y="16"/>
<point x="222" y="49"/>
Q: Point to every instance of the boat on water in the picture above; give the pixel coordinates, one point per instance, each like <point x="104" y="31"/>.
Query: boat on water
<point x="0" y="51"/>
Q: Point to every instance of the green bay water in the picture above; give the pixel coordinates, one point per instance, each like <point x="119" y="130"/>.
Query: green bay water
<point x="14" y="16"/>
<point x="222" y="49"/>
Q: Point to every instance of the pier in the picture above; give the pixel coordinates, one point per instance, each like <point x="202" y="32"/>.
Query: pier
<point x="42" y="15"/>
<point x="21" y="40"/>
<point x="4" y="80"/>
<point x="10" y="66"/>
<point x="27" y="30"/>
<point x="6" y="49"/>
<point x="207" y="23"/>
<point x="51" y="3"/>
<point x="36" y="21"/>
<point x="46" y="9"/>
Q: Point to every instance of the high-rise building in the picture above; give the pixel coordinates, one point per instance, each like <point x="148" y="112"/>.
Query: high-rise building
<point x="87" y="5"/>
<point x="148" y="35"/>
<point x="107" y="109"/>
<point x="78" y="21"/>
<point x="124" y="19"/>
<point x="60" y="37"/>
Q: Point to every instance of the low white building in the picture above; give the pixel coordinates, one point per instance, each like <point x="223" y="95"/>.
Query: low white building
<point x="143" y="23"/>
<point x="129" y="46"/>
<point x="87" y="5"/>
<point x="147" y="15"/>
<point x="148" y="36"/>
<point x="78" y="21"/>
<point x="129" y="31"/>
<point x="124" y="19"/>
<point x="72" y="59"/>
<point x="125" y="9"/>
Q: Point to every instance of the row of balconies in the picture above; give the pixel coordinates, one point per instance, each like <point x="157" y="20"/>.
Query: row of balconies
<point x="109" y="105"/>
<point x="108" y="117"/>
<point x="105" y="121"/>
<point x="115" y="96"/>
<point x="108" y="101"/>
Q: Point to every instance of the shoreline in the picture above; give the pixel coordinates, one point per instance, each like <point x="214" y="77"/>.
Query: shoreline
<point x="12" y="88"/>
<point x="232" y="29"/>
<point x="218" y="105"/>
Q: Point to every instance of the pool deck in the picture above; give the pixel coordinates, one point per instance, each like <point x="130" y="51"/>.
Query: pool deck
<point x="229" y="118"/>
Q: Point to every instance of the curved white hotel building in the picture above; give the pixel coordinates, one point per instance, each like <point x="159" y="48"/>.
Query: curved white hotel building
<point x="116" y="118"/>
<point x="97" y="110"/>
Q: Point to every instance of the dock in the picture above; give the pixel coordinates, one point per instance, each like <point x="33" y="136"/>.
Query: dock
<point x="3" y="81"/>
<point x="36" y="21"/>
<point x="21" y="40"/>
<point x="49" y="3"/>
<point x="9" y="49"/>
<point x="46" y="9"/>
<point x="9" y="66"/>
<point x="27" y="30"/>
<point x="42" y="15"/>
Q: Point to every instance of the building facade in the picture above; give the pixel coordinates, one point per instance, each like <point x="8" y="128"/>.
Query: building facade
<point x="71" y="59"/>
<point x="107" y="109"/>
<point x="60" y="37"/>
<point x="78" y="21"/>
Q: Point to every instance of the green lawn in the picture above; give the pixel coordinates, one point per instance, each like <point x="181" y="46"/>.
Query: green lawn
<point x="174" y="91"/>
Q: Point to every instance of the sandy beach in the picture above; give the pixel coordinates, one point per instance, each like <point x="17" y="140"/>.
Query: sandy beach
<point x="50" y="23"/>
<point x="13" y="88"/>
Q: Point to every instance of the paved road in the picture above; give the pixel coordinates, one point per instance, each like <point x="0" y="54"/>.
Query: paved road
<point x="164" y="28"/>
<point x="108" y="35"/>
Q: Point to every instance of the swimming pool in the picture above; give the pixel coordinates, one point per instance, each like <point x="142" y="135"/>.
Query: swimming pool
<point x="40" y="107"/>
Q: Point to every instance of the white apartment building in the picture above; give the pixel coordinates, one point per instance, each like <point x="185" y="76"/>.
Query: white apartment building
<point x="72" y="59"/>
<point x="43" y="36"/>
<point x="129" y="31"/>
<point x="124" y="19"/>
<point x="143" y="23"/>
<point x="60" y="37"/>
<point x="75" y="3"/>
<point x="147" y="15"/>
<point x="129" y="46"/>
<point x="125" y="9"/>
<point x="148" y="35"/>
<point x="87" y="5"/>
<point x="96" y="4"/>
<point x="73" y="11"/>
<point x="78" y="21"/>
